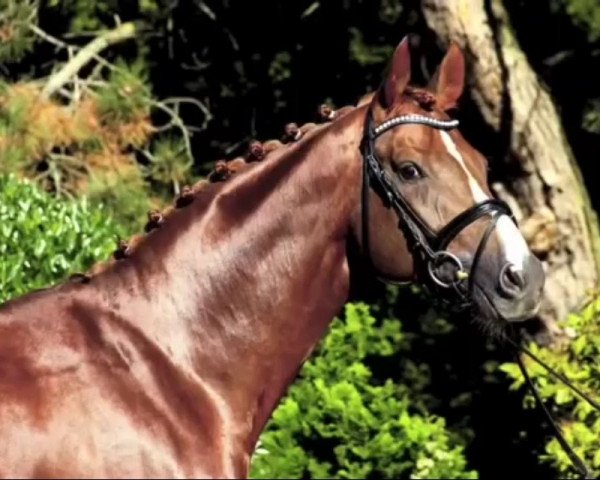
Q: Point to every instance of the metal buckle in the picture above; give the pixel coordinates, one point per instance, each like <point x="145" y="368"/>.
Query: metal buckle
<point x="438" y="259"/>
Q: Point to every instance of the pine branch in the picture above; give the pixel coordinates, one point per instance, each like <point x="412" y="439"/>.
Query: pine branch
<point x="176" y="121"/>
<point x="91" y="50"/>
<point x="192" y="101"/>
<point x="46" y="36"/>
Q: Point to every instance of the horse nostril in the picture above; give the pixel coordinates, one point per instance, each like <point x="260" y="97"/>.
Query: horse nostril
<point x="512" y="281"/>
<point x="515" y="276"/>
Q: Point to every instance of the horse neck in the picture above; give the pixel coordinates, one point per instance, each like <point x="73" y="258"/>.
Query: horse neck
<point x="241" y="289"/>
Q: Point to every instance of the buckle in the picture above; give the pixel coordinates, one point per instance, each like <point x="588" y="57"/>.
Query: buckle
<point x="440" y="258"/>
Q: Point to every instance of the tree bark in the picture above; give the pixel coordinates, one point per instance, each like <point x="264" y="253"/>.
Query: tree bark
<point x="547" y="191"/>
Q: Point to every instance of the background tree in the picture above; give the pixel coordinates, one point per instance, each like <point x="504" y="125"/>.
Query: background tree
<point x="87" y="124"/>
<point x="539" y="175"/>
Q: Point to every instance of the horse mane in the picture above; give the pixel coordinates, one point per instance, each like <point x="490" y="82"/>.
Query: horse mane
<point x="225" y="169"/>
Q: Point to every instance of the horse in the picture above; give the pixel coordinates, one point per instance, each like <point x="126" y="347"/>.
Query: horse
<point x="168" y="360"/>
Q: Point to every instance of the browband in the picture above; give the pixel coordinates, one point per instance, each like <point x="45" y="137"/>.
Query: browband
<point x="415" y="119"/>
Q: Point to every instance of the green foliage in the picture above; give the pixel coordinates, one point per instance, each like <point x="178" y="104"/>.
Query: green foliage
<point x="579" y="363"/>
<point x="365" y="54"/>
<point x="585" y="13"/>
<point x="279" y="69"/>
<point x="86" y="15"/>
<point x="339" y="421"/>
<point x="13" y="122"/>
<point x="42" y="239"/>
<point x="125" y="196"/>
<point x="390" y="11"/>
<point x="170" y="166"/>
<point x="13" y="113"/>
<point x="591" y="116"/>
<point x="90" y="145"/>
<point x="126" y="96"/>
<point x="16" y="39"/>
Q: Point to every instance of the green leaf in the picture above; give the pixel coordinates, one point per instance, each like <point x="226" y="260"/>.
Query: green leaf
<point x="44" y="239"/>
<point x="562" y="396"/>
<point x="368" y="425"/>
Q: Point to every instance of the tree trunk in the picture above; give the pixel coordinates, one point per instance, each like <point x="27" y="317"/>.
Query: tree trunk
<point x="546" y="192"/>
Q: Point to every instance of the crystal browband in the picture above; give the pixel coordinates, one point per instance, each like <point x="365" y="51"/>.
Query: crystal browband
<point x="419" y="119"/>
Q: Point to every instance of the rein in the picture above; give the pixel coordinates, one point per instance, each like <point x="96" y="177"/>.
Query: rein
<point x="430" y="252"/>
<point x="576" y="461"/>
<point x="429" y="249"/>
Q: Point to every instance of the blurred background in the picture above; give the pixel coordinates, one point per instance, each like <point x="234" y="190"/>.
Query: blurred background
<point x="107" y="108"/>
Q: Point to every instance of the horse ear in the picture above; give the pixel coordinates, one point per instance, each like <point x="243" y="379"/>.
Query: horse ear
<point x="398" y="75"/>
<point x="449" y="79"/>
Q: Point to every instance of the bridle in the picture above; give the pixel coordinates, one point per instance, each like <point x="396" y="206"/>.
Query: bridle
<point x="439" y="271"/>
<point x="429" y="250"/>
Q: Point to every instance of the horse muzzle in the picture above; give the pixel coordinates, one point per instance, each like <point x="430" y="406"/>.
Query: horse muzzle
<point x="513" y="294"/>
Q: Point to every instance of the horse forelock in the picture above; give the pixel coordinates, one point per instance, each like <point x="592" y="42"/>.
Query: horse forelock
<point x="424" y="98"/>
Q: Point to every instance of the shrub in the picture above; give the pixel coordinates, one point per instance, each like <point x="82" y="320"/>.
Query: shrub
<point x="43" y="239"/>
<point x="578" y="362"/>
<point x="584" y="13"/>
<point x="338" y="421"/>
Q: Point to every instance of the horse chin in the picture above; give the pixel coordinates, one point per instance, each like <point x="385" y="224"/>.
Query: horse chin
<point x="487" y="315"/>
<point x="496" y="312"/>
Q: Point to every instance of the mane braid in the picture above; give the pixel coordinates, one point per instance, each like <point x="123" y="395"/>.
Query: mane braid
<point x="424" y="98"/>
<point x="223" y="170"/>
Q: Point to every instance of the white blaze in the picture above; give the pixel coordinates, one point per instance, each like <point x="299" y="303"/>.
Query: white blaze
<point x="513" y="244"/>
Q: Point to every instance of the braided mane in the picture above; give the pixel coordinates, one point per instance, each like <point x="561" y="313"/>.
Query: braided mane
<point x="223" y="170"/>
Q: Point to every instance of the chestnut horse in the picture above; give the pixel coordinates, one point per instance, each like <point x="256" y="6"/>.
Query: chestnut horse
<point x="169" y="360"/>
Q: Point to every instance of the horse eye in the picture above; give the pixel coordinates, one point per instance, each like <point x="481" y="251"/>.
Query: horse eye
<point x="409" y="171"/>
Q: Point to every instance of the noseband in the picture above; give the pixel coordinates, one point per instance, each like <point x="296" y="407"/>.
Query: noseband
<point x="429" y="249"/>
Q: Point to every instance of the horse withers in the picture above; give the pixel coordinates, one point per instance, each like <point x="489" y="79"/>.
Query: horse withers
<point x="168" y="360"/>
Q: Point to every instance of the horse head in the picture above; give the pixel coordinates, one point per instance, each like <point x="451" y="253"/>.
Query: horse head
<point x="423" y="178"/>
